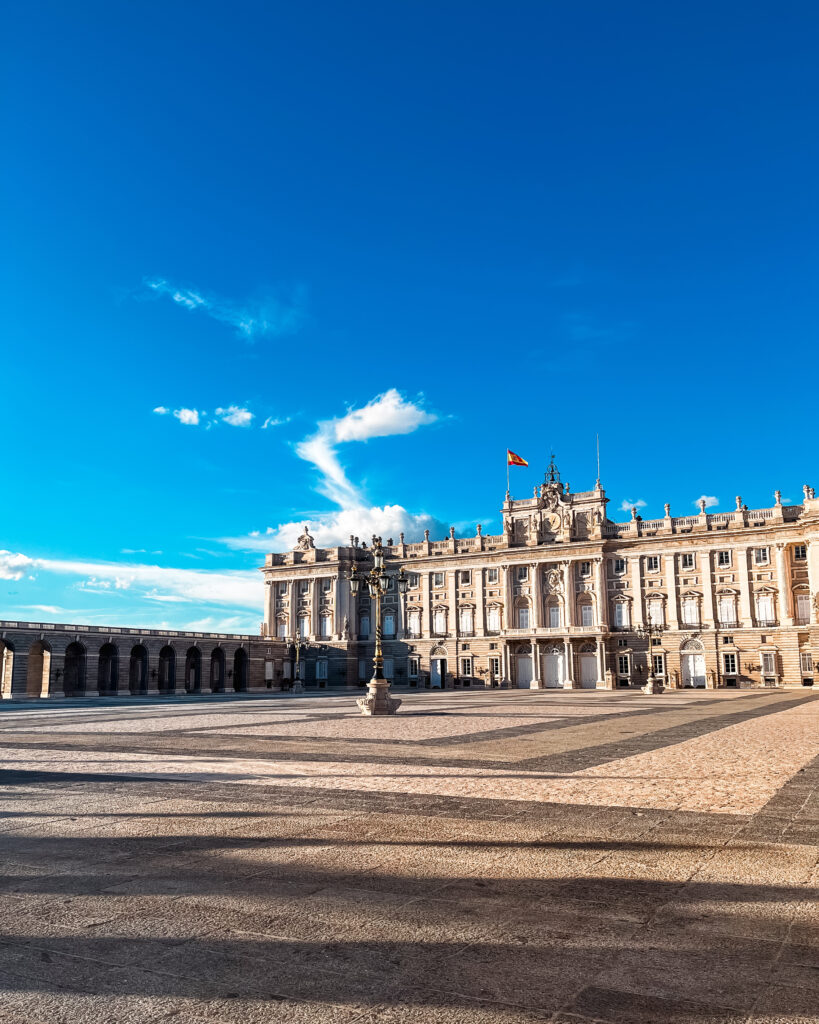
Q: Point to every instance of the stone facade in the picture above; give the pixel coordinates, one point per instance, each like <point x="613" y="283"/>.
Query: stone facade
<point x="561" y="597"/>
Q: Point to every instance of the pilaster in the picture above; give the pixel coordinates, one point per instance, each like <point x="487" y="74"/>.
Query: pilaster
<point x="671" y="587"/>
<point x="784" y="587"/>
<point x="637" y="590"/>
<point x="704" y="559"/>
<point x="537" y="597"/>
<point x="741" y="560"/>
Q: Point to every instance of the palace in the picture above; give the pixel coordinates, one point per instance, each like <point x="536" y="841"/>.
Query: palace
<point x="562" y="598"/>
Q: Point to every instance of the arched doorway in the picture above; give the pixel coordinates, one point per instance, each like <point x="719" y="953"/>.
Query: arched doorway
<point x="138" y="670"/>
<point x="193" y="670"/>
<point x="437" y="668"/>
<point x="523" y="666"/>
<point x="553" y="667"/>
<point x="108" y="670"/>
<point x="167" y="670"/>
<point x="74" y="678"/>
<point x="240" y="670"/>
<point x="217" y="670"/>
<point x="38" y="671"/>
<point x="692" y="662"/>
<point x="6" y="667"/>
<point x="588" y="667"/>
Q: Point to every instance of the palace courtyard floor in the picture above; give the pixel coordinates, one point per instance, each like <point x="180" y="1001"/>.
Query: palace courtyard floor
<point x="483" y="857"/>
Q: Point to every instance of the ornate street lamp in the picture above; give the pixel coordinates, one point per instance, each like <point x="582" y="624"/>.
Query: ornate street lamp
<point x="299" y="644"/>
<point x="378" y="700"/>
<point x="648" y="632"/>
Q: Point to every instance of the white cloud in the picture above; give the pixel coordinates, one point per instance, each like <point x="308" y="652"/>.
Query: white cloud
<point x="627" y="505"/>
<point x="267" y="315"/>
<point x="709" y="499"/>
<point x="271" y="421"/>
<point x="188" y="416"/>
<point x="161" y="410"/>
<point x="49" y="609"/>
<point x="14" y="566"/>
<point x="235" y="416"/>
<point x="384" y="416"/>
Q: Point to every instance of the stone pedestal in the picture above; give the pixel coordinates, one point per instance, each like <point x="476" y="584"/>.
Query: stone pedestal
<point x="297" y="686"/>
<point x="653" y="686"/>
<point x="378" y="700"/>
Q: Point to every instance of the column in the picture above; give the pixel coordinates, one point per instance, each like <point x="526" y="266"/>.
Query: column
<point x="671" y="586"/>
<point x="537" y="599"/>
<point x="505" y="664"/>
<point x="707" y="588"/>
<point x="637" y="590"/>
<point x="338" y="619"/>
<point x="480" y="608"/>
<point x="601" y="663"/>
<point x="291" y="612"/>
<point x="568" y="591"/>
<point x="568" y="681"/>
<point x="452" y="592"/>
<point x="270" y="607"/>
<point x="426" y="610"/>
<point x="783" y="583"/>
<point x="741" y="560"/>
<point x="602" y="592"/>
<point x="508" y="603"/>
<point x="314" y="608"/>
<point x="537" y="682"/>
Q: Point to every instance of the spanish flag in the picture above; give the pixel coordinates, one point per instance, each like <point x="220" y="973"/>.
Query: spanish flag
<point x="514" y="460"/>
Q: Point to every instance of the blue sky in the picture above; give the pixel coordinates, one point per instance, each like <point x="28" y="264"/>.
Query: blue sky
<point x="357" y="250"/>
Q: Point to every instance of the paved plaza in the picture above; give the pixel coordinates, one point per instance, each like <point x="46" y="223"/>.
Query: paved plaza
<point x="487" y="857"/>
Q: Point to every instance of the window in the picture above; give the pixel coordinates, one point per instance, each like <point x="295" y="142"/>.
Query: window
<point x="491" y="575"/>
<point x="363" y="668"/>
<point x="440" y="622"/>
<point x="412" y="580"/>
<point x="727" y="639"/>
<point x="321" y="668"/>
<point x="493" y="619"/>
<point x="494" y="668"/>
<point x="655" y="612"/>
<point x="287" y="669"/>
<point x="467" y="620"/>
<point x="466" y="667"/>
<point x="727" y="609"/>
<point x="802" y="609"/>
<point x="389" y="668"/>
<point x="586" y="615"/>
<point x="691" y="611"/>
<point x="687" y="561"/>
<point x="554" y="616"/>
<point x="761" y="556"/>
<point x="282" y="588"/>
<point x="415" y="622"/>
<point x="806" y="661"/>
<point x="389" y="623"/>
<point x="764" y="609"/>
<point x="800" y="552"/>
<point x="620" y="614"/>
<point x="466" y="577"/>
<point x="304" y="586"/>
<point x="523" y="573"/>
<point x="619" y="566"/>
<point x="326" y="585"/>
<point x="281" y="629"/>
<point x="326" y="625"/>
<point x="768" y="663"/>
<point x="585" y="568"/>
<point x="523" y="618"/>
<point x="652" y="563"/>
<point x="413" y="667"/>
<point x="304" y="625"/>
<point x="437" y="580"/>
<point x="622" y="642"/>
<point x="729" y="663"/>
<point x="723" y="559"/>
<point x="364" y="627"/>
<point x="622" y="664"/>
<point x="659" y="664"/>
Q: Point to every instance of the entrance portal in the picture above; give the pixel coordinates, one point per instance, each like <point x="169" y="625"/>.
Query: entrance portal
<point x="437" y="673"/>
<point x="524" y="671"/>
<point x="588" y="671"/>
<point x="554" y="669"/>
<point x="693" y="670"/>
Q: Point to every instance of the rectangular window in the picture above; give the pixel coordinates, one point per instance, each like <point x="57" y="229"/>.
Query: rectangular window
<point x="768" y="663"/>
<point x="523" y="618"/>
<point x="363" y="668"/>
<point x="652" y="563"/>
<point x="327" y="585"/>
<point x="585" y="568"/>
<point x="727" y="639"/>
<point x="491" y="575"/>
<point x="691" y="611"/>
<point x="304" y="586"/>
<point x="727" y="610"/>
<point x="321" y="668"/>
<point x="415" y="623"/>
<point x="723" y="559"/>
<point x="494" y="668"/>
<point x="412" y="580"/>
<point x="467" y="622"/>
<point x="437" y="580"/>
<point x="765" y="609"/>
<point x="466" y="577"/>
<point x="800" y="552"/>
<point x="803" y="609"/>
<point x="554" y="616"/>
<point x="761" y="556"/>
<point x="413" y="667"/>
<point x="659" y="664"/>
<point x="622" y="664"/>
<point x="622" y="642"/>
<point x="389" y="623"/>
<point x="586" y="615"/>
<point x="364" y="627"/>
<point x="304" y="626"/>
<point x="287" y="670"/>
<point x="326" y="626"/>
<point x="466" y="667"/>
<point x="282" y="588"/>
<point x="493" y="619"/>
<point x="687" y="561"/>
<point x="523" y="573"/>
<point x="729" y="663"/>
<point x="389" y="668"/>
<point x="619" y="566"/>
<point x="655" y="613"/>
<point x="620" y="614"/>
<point x="806" y="661"/>
<point x="439" y="622"/>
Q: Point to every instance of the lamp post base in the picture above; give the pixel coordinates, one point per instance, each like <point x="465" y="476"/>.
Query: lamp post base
<point x="378" y="700"/>
<point x="297" y="686"/>
<point x="653" y="686"/>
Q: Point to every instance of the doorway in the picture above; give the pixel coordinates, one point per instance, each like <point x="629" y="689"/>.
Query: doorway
<point x="437" y="673"/>
<point x="693" y="670"/>
<point x="554" y="670"/>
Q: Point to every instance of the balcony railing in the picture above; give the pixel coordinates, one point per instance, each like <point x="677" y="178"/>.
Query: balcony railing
<point x="728" y="624"/>
<point x="766" y="623"/>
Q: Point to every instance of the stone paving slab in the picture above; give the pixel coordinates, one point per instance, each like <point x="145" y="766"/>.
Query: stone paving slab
<point x="578" y="858"/>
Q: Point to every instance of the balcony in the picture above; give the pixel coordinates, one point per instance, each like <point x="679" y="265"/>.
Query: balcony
<point x="728" y="624"/>
<point x="766" y="623"/>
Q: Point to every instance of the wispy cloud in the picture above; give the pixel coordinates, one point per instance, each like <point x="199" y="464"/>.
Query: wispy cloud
<point x="267" y="315"/>
<point x="385" y="415"/>
<point x="161" y="410"/>
<point x="235" y="416"/>
<point x="272" y="421"/>
<point x="709" y="499"/>
<point x="627" y="505"/>
<point x="190" y="417"/>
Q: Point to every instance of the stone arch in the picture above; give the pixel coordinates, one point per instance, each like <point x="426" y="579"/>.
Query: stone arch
<point x="439" y="651"/>
<point x="75" y="668"/>
<point x="6" y="667"/>
<point x="588" y="648"/>
<point x="193" y="670"/>
<point x="108" y="669"/>
<point x="217" y="670"/>
<point x="38" y="670"/>
<point x="240" y="670"/>
<point x="138" y="670"/>
<point x="692" y="645"/>
<point x="167" y="669"/>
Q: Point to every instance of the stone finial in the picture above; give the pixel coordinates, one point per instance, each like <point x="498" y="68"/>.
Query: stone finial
<point x="426" y="534"/>
<point x="667" y="508"/>
<point x="811" y="493"/>
<point x="452" y="532"/>
<point x="634" y="512"/>
<point x="352" y="541"/>
<point x="701" y="504"/>
<point x="567" y="487"/>
<point x="738" y="500"/>
<point x="478" y="529"/>
<point x="778" y="497"/>
<point x="389" y="542"/>
<point x="400" y="538"/>
<point x="805" y="490"/>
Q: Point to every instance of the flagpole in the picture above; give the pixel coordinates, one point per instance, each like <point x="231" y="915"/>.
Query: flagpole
<point x="507" y="472"/>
